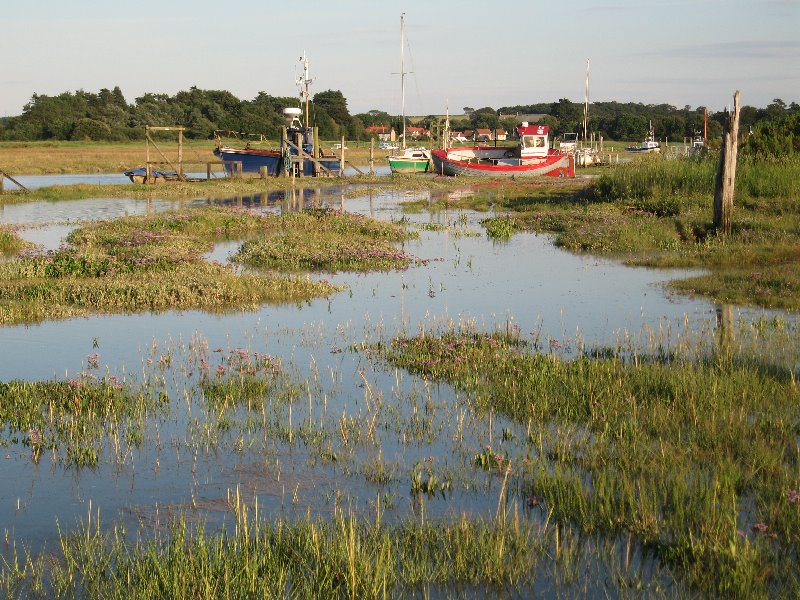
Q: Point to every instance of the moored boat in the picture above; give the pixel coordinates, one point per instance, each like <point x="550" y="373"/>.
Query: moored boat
<point x="300" y="139"/>
<point x="411" y="160"/>
<point x="408" y="160"/>
<point x="648" y="145"/>
<point x="533" y="157"/>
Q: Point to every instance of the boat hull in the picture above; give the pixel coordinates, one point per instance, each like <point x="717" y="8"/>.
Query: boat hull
<point x="253" y="161"/>
<point x="411" y="160"/>
<point x="406" y="166"/>
<point x="500" y="162"/>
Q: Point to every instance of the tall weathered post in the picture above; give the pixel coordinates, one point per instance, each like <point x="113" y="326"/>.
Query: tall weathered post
<point x="726" y="171"/>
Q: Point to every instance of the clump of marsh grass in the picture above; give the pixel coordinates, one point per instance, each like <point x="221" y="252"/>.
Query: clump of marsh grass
<point x="10" y="242"/>
<point x="76" y="420"/>
<point x="154" y="262"/>
<point x="327" y="240"/>
<point x="694" y="454"/>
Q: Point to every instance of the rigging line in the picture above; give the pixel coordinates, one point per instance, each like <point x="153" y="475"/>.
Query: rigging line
<point x="413" y="71"/>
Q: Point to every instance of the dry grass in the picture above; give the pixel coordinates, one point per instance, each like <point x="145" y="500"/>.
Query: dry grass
<point x="49" y="158"/>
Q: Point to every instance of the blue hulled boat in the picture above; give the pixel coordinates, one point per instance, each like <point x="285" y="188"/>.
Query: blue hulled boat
<point x="297" y="148"/>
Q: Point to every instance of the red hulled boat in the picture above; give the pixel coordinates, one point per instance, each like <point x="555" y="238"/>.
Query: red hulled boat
<point x="533" y="157"/>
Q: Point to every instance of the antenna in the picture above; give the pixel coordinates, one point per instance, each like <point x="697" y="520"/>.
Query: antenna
<point x="303" y="82"/>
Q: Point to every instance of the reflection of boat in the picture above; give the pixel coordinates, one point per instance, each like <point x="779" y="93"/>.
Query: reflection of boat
<point x="532" y="157"/>
<point x="408" y="160"/>
<point x="276" y="161"/>
<point x="648" y="145"/>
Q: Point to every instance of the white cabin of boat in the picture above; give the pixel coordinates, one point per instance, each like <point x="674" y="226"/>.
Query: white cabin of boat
<point x="533" y="140"/>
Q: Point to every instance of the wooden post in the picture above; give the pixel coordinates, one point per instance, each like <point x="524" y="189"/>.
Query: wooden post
<point x="372" y="156"/>
<point x="1" y="182"/>
<point x="262" y="171"/>
<point x="341" y="160"/>
<point x="316" y="151"/>
<point x="180" y="153"/>
<point x="301" y="167"/>
<point x="726" y="171"/>
<point x="208" y="170"/>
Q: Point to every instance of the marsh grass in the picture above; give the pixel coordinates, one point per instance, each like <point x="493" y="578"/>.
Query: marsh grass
<point x="154" y="262"/>
<point x="324" y="239"/>
<point x="10" y="242"/>
<point x="694" y="455"/>
<point x="77" y="420"/>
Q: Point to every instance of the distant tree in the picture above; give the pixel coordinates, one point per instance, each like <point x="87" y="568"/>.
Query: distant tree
<point x="485" y="117"/>
<point x="375" y="117"/>
<point x="91" y="129"/>
<point x="335" y="105"/>
<point x="355" y="130"/>
<point x="630" y="127"/>
<point x="569" y="114"/>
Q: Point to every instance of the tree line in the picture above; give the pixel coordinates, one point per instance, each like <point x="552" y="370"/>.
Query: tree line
<point x="107" y="116"/>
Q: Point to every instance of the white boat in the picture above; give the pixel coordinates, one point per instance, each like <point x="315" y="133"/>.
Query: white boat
<point x="648" y="145"/>
<point x="408" y="160"/>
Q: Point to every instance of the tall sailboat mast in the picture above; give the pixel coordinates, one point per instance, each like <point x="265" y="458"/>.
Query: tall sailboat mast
<point x="403" y="77"/>
<point x="586" y="105"/>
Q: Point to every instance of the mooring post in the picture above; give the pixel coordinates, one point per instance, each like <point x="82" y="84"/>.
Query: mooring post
<point x="341" y="160"/>
<point x="316" y="151"/>
<point x="300" y="158"/>
<point x="726" y="171"/>
<point x="262" y="171"/>
<point x="372" y="156"/>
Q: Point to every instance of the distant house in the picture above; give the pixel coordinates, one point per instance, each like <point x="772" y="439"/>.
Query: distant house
<point x="469" y="134"/>
<point x="383" y="133"/>
<point x="416" y="133"/>
<point x="501" y="135"/>
<point x="483" y="135"/>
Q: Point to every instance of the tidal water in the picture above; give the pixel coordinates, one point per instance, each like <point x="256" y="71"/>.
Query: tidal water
<point x="563" y="301"/>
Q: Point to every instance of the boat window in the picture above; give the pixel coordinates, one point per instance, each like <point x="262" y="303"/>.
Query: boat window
<point x="533" y="141"/>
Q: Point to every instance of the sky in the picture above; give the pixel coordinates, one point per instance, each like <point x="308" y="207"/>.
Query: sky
<point x="460" y="53"/>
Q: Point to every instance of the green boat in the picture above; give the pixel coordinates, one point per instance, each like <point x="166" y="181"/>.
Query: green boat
<point x="411" y="160"/>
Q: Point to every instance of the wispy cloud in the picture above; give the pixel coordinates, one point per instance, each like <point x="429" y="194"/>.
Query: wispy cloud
<point x="753" y="49"/>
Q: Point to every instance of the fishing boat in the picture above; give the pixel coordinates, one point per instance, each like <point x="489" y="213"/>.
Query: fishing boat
<point x="533" y="157"/>
<point x="648" y="145"/>
<point x="300" y="142"/>
<point x="140" y="175"/>
<point x="408" y="160"/>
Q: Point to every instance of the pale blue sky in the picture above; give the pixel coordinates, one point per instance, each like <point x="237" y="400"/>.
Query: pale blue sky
<point x="462" y="53"/>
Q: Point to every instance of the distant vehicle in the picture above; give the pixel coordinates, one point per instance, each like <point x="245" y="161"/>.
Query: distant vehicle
<point x="387" y="146"/>
<point x="339" y="147"/>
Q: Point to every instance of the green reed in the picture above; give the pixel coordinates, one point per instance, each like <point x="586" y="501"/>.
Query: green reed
<point x="343" y="557"/>
<point x="77" y="420"/>
<point x="694" y="454"/>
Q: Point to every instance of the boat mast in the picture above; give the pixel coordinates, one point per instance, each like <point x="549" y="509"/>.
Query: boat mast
<point x="403" y="77"/>
<point x="304" y="82"/>
<point x="586" y="105"/>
